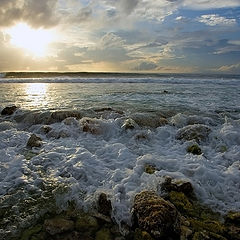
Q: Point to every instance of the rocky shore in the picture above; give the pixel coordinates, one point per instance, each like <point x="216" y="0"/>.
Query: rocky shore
<point x="171" y="213"/>
<point x="177" y="214"/>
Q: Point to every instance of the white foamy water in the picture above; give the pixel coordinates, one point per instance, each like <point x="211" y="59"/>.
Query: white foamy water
<point x="87" y="150"/>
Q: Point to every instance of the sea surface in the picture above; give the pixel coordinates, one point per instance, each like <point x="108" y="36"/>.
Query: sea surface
<point x="99" y="132"/>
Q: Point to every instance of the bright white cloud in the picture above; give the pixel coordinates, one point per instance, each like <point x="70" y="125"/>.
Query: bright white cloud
<point x="215" y="19"/>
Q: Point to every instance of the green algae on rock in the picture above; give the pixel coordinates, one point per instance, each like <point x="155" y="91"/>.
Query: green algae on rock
<point x="155" y="215"/>
<point x="150" y="169"/>
<point x="103" y="234"/>
<point x="86" y="224"/>
<point x="58" y="225"/>
<point x="194" y="149"/>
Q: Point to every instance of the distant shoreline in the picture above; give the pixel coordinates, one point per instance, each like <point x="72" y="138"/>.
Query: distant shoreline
<point x="111" y="74"/>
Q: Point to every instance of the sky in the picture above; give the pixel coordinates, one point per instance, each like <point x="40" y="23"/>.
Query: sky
<point x="165" y="36"/>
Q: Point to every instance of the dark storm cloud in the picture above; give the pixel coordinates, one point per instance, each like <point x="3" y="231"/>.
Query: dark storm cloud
<point x="36" y="13"/>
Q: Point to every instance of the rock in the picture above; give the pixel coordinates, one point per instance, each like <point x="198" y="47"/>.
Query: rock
<point x="149" y="120"/>
<point x="86" y="224"/>
<point x="104" y="205"/>
<point x="61" y="115"/>
<point x="91" y="125"/>
<point x="170" y="184"/>
<point x="194" y="149"/>
<point x="233" y="218"/>
<point x="103" y="234"/>
<point x="153" y="214"/>
<point x="34" y="141"/>
<point x="58" y="225"/>
<point x="142" y="235"/>
<point x="9" y="110"/>
<point x="28" y="233"/>
<point x="73" y="235"/>
<point x="209" y="226"/>
<point x="150" y="169"/>
<point x="207" y="236"/>
<point x="185" y="233"/>
<point x="233" y="233"/>
<point x="129" y="124"/>
<point x="45" y="129"/>
<point x="198" y="132"/>
<point x="181" y="202"/>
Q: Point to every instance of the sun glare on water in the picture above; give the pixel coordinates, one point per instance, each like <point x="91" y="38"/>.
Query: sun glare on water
<point x="33" y="41"/>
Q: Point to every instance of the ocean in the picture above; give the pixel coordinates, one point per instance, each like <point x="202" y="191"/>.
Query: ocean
<point x="100" y="131"/>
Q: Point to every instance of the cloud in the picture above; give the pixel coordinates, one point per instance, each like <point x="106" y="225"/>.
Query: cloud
<point x="209" y="4"/>
<point x="215" y="19"/>
<point x="235" y="68"/>
<point x="35" y="13"/>
<point x="83" y="15"/>
<point x="128" y="5"/>
<point x="145" y="66"/>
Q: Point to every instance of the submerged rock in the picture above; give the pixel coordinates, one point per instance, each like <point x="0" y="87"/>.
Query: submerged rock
<point x="104" y="205"/>
<point x="91" y="125"/>
<point x="45" y="129"/>
<point x="150" y="169"/>
<point x="155" y="215"/>
<point x="129" y="124"/>
<point x="198" y="132"/>
<point x="34" y="141"/>
<point x="9" y="110"/>
<point x="58" y="225"/>
<point x="194" y="149"/>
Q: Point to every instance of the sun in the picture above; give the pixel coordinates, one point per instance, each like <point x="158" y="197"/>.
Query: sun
<point x="33" y="41"/>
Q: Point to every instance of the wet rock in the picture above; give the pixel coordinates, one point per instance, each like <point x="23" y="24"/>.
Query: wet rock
<point x="149" y="120"/>
<point x="209" y="226"/>
<point x="233" y="232"/>
<point x="28" y="233"/>
<point x="186" y="232"/>
<point x="198" y="132"/>
<point x="86" y="224"/>
<point x="170" y="184"/>
<point x="45" y="129"/>
<point x="58" y="225"/>
<point x="103" y="109"/>
<point x="103" y="234"/>
<point x="104" y="205"/>
<point x="194" y="149"/>
<point x="156" y="216"/>
<point x="73" y="235"/>
<point x="91" y="125"/>
<point x="207" y="236"/>
<point x="181" y="202"/>
<point x="233" y="218"/>
<point x="150" y="169"/>
<point x="34" y="141"/>
<point x="142" y="235"/>
<point x="129" y="124"/>
<point x="9" y="110"/>
<point x="61" y="115"/>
